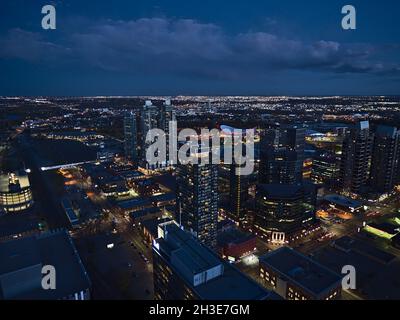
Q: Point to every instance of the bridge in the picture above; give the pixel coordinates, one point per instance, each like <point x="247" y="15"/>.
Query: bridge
<point x="67" y="165"/>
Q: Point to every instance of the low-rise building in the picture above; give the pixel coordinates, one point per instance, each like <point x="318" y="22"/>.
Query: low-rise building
<point x="343" y="203"/>
<point x="184" y="269"/>
<point x="150" y="227"/>
<point x="22" y="263"/>
<point x="234" y="244"/>
<point x="15" y="192"/>
<point x="295" y="276"/>
<point x="374" y="267"/>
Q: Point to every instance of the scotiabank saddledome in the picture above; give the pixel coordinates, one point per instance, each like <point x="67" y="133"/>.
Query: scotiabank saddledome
<point x="15" y="192"/>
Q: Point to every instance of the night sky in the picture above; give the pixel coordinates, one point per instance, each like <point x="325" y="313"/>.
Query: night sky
<point x="205" y="47"/>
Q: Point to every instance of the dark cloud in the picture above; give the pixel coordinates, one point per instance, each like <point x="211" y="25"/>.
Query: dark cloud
<point x="30" y="46"/>
<point x="188" y="48"/>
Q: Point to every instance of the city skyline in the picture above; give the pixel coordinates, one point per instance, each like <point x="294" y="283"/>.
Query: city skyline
<point x="200" y="150"/>
<point x="324" y="194"/>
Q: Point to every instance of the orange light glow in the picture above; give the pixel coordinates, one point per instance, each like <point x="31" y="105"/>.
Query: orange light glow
<point x="70" y="183"/>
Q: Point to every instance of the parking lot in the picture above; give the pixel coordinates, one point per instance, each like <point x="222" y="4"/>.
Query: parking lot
<point x="120" y="269"/>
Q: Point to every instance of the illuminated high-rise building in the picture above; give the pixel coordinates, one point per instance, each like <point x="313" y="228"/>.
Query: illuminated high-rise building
<point x="149" y="115"/>
<point x="327" y="157"/>
<point x="282" y="155"/>
<point x="356" y="158"/>
<point x="130" y="136"/>
<point x="397" y="170"/>
<point x="293" y="138"/>
<point x="385" y="155"/>
<point x="279" y="165"/>
<point x="238" y="192"/>
<point x="153" y="117"/>
<point x="166" y="116"/>
<point x="283" y="211"/>
<point x="238" y="182"/>
<point x="325" y="168"/>
<point x="285" y="204"/>
<point x="197" y="199"/>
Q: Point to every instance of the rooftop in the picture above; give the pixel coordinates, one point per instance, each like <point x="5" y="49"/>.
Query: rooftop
<point x="375" y="279"/>
<point x="151" y="225"/>
<point x="343" y="201"/>
<point x="20" y="178"/>
<point x="12" y="224"/>
<point x="163" y="197"/>
<point x="196" y="257"/>
<point x="301" y="270"/>
<point x="349" y="244"/>
<point x="225" y="224"/>
<point x="53" y="248"/>
<point x="229" y="284"/>
<point x="233" y="285"/>
<point x="362" y="125"/>
<point x="19" y="254"/>
<point x="276" y="190"/>
<point x="387" y="131"/>
<point x="133" y="203"/>
<point x="233" y="236"/>
<point x="385" y="227"/>
<point x="144" y="212"/>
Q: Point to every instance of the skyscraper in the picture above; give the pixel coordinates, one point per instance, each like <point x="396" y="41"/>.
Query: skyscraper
<point x="238" y="182"/>
<point x="283" y="210"/>
<point x="397" y="168"/>
<point x="385" y="154"/>
<point x="356" y="158"/>
<point x="152" y="117"/>
<point x="238" y="192"/>
<point x="130" y="133"/>
<point x="197" y="200"/>
<point x="284" y="203"/>
<point x="282" y="155"/>
<point x="149" y="116"/>
<point x="279" y="165"/>
<point x="166" y="115"/>
<point x="325" y="168"/>
<point x="293" y="138"/>
<point x="327" y="157"/>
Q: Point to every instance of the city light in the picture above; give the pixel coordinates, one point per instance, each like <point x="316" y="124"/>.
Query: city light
<point x="212" y="151"/>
